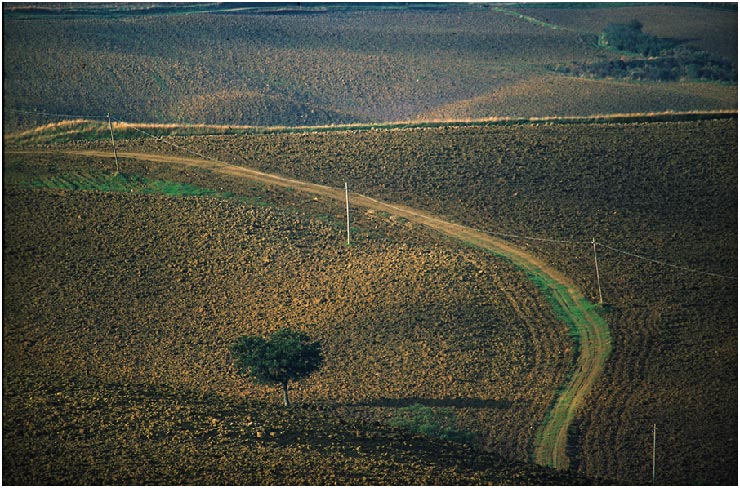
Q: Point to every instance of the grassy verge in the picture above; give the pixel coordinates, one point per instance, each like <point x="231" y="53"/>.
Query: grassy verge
<point x="88" y="130"/>
<point x="106" y="182"/>
<point x="592" y="346"/>
<point x="440" y="422"/>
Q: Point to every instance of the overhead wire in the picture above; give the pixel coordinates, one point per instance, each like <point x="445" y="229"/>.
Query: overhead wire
<point x="529" y="238"/>
<point x="161" y="139"/>
<point x="663" y="263"/>
<point x="502" y="234"/>
<point x="514" y="236"/>
<point x="61" y="116"/>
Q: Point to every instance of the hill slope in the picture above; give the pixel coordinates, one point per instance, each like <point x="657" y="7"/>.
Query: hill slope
<point x="149" y="305"/>
<point x="590" y="332"/>
<point x="84" y="431"/>
<point x="625" y="184"/>
<point x="332" y="66"/>
<point x="676" y="331"/>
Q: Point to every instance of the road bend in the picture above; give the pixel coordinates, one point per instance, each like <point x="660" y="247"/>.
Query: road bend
<point x="588" y="328"/>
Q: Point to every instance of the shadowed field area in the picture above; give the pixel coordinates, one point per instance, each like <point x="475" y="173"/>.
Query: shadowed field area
<point x="341" y="65"/>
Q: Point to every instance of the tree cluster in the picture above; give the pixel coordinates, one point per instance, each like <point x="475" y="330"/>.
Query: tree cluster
<point x="629" y="37"/>
<point x="665" y="59"/>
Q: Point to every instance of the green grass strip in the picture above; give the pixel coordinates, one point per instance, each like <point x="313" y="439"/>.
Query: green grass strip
<point x="121" y="183"/>
<point x="571" y="311"/>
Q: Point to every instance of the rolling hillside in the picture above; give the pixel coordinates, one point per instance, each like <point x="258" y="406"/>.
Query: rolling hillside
<point x="632" y="197"/>
<point x="334" y="65"/>
<point x="544" y="181"/>
<point x="467" y="142"/>
<point x="149" y="305"/>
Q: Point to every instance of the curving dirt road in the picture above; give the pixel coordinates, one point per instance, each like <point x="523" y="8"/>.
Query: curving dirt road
<point x="590" y="331"/>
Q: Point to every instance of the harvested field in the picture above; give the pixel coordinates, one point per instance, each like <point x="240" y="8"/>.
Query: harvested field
<point x="567" y="96"/>
<point x="336" y="67"/>
<point x="71" y="429"/>
<point x="122" y="292"/>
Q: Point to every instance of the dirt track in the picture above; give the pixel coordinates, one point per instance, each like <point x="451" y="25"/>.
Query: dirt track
<point x="592" y="332"/>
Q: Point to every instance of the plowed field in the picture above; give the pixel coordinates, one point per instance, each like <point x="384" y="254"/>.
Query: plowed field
<point x="667" y="191"/>
<point x="663" y="190"/>
<point x="146" y="289"/>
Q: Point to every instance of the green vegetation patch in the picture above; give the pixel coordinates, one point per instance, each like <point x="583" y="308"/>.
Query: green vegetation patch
<point x="434" y="422"/>
<point x="562" y="304"/>
<point x="653" y="59"/>
<point x="126" y="183"/>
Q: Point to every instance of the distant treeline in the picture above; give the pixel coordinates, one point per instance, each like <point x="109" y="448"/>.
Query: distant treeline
<point x="664" y="59"/>
<point x="592" y="5"/>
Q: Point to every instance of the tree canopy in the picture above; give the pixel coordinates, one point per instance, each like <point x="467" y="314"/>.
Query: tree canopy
<point x="629" y="37"/>
<point x="286" y="355"/>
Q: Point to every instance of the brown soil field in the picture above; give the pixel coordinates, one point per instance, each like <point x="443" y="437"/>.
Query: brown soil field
<point x="142" y="293"/>
<point x="337" y="67"/>
<point x="567" y="96"/>
<point x="118" y="307"/>
<point x="667" y="191"/>
<point x="67" y="429"/>
<point x="590" y="332"/>
<point x="281" y="69"/>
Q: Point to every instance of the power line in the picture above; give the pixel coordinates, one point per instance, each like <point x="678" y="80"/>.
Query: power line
<point x="663" y="263"/>
<point x="543" y="239"/>
<point x="161" y="139"/>
<point x="61" y="116"/>
<point x="502" y="234"/>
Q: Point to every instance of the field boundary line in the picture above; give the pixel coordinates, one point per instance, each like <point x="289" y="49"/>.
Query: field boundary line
<point x="235" y="129"/>
<point x="592" y="332"/>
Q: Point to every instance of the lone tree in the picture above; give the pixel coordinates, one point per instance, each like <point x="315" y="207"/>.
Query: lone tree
<point x="286" y="355"/>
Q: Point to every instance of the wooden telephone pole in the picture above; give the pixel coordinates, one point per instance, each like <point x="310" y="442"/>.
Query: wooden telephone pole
<point x="654" y="453"/>
<point x="346" y="198"/>
<point x="113" y="140"/>
<point x="596" y="263"/>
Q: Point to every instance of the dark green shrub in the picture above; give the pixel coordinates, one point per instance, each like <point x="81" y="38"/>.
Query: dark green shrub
<point x="629" y="37"/>
<point x="286" y="355"/>
<point x="429" y="421"/>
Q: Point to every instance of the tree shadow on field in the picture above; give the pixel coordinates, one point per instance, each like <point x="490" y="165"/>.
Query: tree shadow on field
<point x="436" y="402"/>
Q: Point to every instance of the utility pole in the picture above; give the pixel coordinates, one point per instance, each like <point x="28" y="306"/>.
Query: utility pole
<point x="653" y="453"/>
<point x="596" y="263"/>
<point x="346" y="198"/>
<point x="115" y="154"/>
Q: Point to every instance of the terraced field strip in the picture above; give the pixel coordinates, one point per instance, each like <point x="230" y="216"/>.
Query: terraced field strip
<point x="589" y="329"/>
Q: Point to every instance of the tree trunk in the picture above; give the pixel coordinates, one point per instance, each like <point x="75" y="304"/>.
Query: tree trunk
<point x="285" y="394"/>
